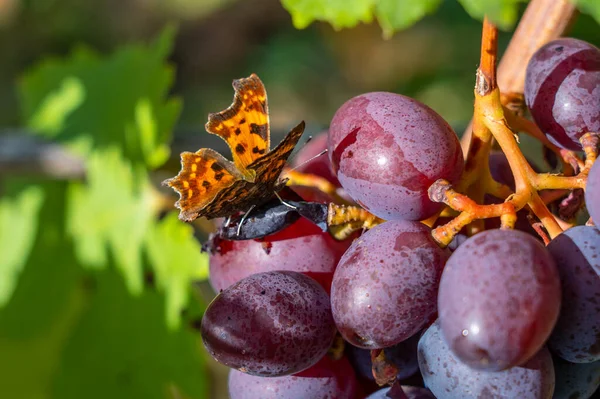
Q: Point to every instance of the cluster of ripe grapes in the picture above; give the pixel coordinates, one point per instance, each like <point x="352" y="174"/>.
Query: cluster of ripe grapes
<point x="495" y="315"/>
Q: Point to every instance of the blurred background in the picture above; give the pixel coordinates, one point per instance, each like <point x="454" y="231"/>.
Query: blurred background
<point x="97" y="100"/>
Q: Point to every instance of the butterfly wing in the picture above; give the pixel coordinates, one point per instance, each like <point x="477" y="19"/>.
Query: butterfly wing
<point x="269" y="167"/>
<point x="203" y="175"/>
<point x="245" y="124"/>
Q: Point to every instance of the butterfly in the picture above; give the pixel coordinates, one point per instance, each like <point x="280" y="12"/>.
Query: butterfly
<point x="210" y="185"/>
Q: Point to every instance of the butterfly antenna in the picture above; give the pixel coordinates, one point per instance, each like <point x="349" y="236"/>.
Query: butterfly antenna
<point x="285" y="203"/>
<point x="310" y="159"/>
<point x="309" y="138"/>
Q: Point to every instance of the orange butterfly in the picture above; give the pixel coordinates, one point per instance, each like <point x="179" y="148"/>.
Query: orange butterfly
<point x="212" y="186"/>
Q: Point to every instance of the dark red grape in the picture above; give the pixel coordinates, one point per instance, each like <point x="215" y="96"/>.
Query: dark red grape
<point x="499" y="299"/>
<point x="449" y="378"/>
<point x="269" y="324"/>
<point x="562" y="88"/>
<point x="328" y="379"/>
<point x="592" y="193"/>
<point x="301" y="247"/>
<point x="387" y="149"/>
<point x="384" y="289"/>
<point x="576" y="337"/>
<point x="410" y="392"/>
<point x="575" y="380"/>
<point x="402" y="355"/>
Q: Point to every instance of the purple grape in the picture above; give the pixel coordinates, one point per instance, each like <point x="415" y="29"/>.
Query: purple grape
<point x="576" y="337"/>
<point x="592" y="193"/>
<point x="410" y="392"/>
<point x="449" y="378"/>
<point x="328" y="379"/>
<point x="269" y="324"/>
<point x="402" y="355"/>
<point x="387" y="149"/>
<point x="384" y="289"/>
<point x="301" y="247"/>
<point x="575" y="380"/>
<point x="499" y="299"/>
<point x="562" y="88"/>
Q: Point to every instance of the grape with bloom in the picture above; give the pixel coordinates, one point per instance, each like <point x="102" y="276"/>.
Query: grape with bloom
<point x="562" y="90"/>
<point x="509" y="309"/>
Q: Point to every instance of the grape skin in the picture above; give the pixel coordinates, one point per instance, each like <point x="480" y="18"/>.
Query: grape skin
<point x="447" y="377"/>
<point x="402" y="355"/>
<point x="592" y="193"/>
<point x="575" y="380"/>
<point x="576" y="337"/>
<point x="328" y="379"/>
<point x="269" y="324"/>
<point x="411" y="393"/>
<point x="384" y="289"/>
<point x="301" y="247"/>
<point x="562" y="88"/>
<point x="387" y="149"/>
<point x="499" y="299"/>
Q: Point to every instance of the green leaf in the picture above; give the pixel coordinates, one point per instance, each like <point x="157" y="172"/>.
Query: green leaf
<point x="111" y="214"/>
<point x="18" y="227"/>
<point x="395" y="15"/>
<point x="176" y="258"/>
<point x="65" y="334"/>
<point x="122" y="349"/>
<point x="503" y="13"/>
<point x="120" y="100"/>
<point x="339" y="13"/>
<point x="591" y="7"/>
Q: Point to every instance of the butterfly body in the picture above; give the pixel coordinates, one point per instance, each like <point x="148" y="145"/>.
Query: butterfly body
<point x="210" y="185"/>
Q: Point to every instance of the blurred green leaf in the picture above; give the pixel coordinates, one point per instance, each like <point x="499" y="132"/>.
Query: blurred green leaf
<point x="176" y="258"/>
<point x="18" y="227"/>
<point x="591" y="7"/>
<point x="395" y="15"/>
<point x="120" y="100"/>
<point x="339" y="13"/>
<point x="121" y="348"/>
<point x="503" y="13"/>
<point x="35" y="324"/>
<point x="111" y="213"/>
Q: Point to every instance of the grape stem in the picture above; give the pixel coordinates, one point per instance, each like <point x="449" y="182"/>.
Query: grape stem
<point x="492" y="120"/>
<point x="295" y="178"/>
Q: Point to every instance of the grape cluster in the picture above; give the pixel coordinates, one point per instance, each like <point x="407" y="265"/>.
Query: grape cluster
<point x="495" y="314"/>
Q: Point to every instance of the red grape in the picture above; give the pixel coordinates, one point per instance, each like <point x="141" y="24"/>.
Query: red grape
<point x="592" y="193"/>
<point x="269" y="324"/>
<point x="387" y="149"/>
<point x="499" y="299"/>
<point x="301" y="247"/>
<point x="328" y="379"/>
<point x="576" y="337"/>
<point x="562" y="88"/>
<point x="384" y="289"/>
<point x="449" y="378"/>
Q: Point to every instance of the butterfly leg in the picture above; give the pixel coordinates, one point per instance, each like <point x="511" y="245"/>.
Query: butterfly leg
<point x="243" y="219"/>
<point x="283" y="202"/>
